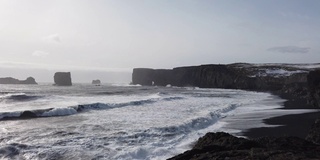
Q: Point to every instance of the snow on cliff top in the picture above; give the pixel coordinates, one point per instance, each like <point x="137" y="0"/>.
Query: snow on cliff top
<point x="277" y="69"/>
<point x="276" y="72"/>
<point x="298" y="66"/>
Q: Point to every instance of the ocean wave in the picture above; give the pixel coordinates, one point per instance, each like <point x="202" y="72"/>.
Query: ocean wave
<point x="110" y="93"/>
<point x="10" y="151"/>
<point x="209" y="95"/>
<point x="125" y="85"/>
<point x="198" y="123"/>
<point x="18" y="97"/>
<point x="167" y="135"/>
<point x="59" y="112"/>
<point x="182" y="129"/>
<point x="70" y="110"/>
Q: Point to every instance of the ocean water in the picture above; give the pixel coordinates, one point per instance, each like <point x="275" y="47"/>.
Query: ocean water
<point x="110" y="121"/>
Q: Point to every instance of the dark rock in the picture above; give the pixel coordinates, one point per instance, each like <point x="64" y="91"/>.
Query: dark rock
<point x="62" y="79"/>
<point x="10" y="80"/>
<point x="142" y="76"/>
<point x="314" y="88"/>
<point x="29" y="80"/>
<point x="96" y="82"/>
<point x="225" y="140"/>
<point x="286" y="143"/>
<point x="225" y="146"/>
<point x="28" y="114"/>
<point x="205" y="76"/>
<point x="298" y="89"/>
<point x="314" y="132"/>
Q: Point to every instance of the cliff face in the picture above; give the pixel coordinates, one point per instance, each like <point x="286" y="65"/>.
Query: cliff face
<point x="62" y="79"/>
<point x="314" y="87"/>
<point x="10" y="80"/>
<point x="233" y="76"/>
<point x="143" y="76"/>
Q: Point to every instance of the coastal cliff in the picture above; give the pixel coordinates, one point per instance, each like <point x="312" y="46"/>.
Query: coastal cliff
<point x="62" y="79"/>
<point x="297" y="80"/>
<point x="314" y="87"/>
<point x="268" y="77"/>
<point x="10" y="80"/>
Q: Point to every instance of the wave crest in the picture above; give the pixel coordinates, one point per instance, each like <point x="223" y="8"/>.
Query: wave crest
<point x="19" y="97"/>
<point x="65" y="111"/>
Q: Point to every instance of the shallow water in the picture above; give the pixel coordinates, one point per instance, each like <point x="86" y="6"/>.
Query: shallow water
<point x="118" y="122"/>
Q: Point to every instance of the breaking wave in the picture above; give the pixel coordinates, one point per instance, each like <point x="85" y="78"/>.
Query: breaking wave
<point x="199" y="122"/>
<point x="70" y="110"/>
<point x="18" y="97"/>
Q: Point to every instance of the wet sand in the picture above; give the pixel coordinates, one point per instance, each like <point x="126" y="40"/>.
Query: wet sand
<point x="291" y="125"/>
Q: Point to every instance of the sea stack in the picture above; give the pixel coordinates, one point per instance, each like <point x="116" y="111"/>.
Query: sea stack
<point x="10" y="80"/>
<point x="29" y="80"/>
<point x="62" y="79"/>
<point x="96" y="82"/>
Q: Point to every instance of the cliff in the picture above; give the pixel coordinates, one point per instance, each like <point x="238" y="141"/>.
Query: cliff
<point x="267" y="77"/>
<point x="314" y="87"/>
<point x="62" y="79"/>
<point x="314" y="99"/>
<point x="10" y="80"/>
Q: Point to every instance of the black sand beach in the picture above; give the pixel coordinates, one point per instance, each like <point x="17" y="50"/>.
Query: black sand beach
<point x="291" y="125"/>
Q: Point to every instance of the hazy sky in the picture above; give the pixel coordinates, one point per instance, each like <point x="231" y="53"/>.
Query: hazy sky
<point x="118" y="35"/>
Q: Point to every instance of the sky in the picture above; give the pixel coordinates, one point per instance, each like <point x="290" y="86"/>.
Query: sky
<point x="107" y="37"/>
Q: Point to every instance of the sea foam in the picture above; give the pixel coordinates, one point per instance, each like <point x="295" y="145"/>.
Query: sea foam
<point x="59" y="112"/>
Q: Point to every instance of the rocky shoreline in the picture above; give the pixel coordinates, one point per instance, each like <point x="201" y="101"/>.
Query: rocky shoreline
<point x="290" y="124"/>
<point x="222" y="145"/>
<point x="276" y="144"/>
<point x="295" y="83"/>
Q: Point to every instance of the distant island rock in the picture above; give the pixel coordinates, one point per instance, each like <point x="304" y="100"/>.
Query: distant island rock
<point x="62" y="79"/>
<point x="10" y="80"/>
<point x="96" y="82"/>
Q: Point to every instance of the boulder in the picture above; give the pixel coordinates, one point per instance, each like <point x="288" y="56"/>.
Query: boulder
<point x="28" y="114"/>
<point x="62" y="79"/>
<point x="10" y="80"/>
<point x="225" y="140"/>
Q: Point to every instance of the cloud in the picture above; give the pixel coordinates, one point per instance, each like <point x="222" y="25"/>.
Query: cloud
<point x="289" y="49"/>
<point x="40" y="54"/>
<point x="53" y="38"/>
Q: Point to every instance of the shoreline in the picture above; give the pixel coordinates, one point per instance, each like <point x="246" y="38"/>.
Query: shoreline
<point x="284" y="138"/>
<point x="297" y="125"/>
